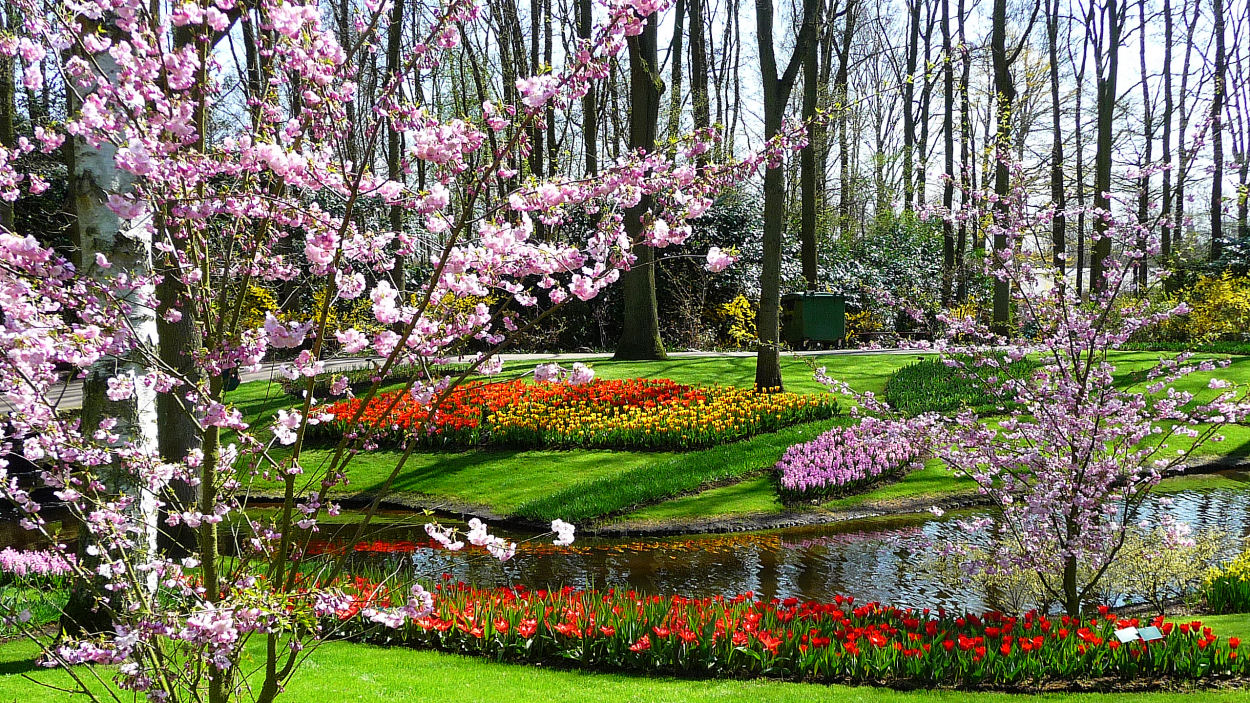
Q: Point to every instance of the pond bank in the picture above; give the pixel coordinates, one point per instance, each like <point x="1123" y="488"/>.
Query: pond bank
<point x="1227" y="472"/>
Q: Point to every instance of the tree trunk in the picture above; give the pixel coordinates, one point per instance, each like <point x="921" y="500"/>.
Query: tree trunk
<point x="590" y="117"/>
<point x="966" y="162"/>
<point x="909" y="95"/>
<point x="948" y="153"/>
<point x="1109" y="65"/>
<point x="674" y="89"/>
<point x="394" y="39"/>
<point x="1238" y="102"/>
<point x="842" y="91"/>
<point x="128" y="248"/>
<point x="1058" y="227"/>
<point x="700" y="107"/>
<point x="1217" y="134"/>
<point x="1192" y="15"/>
<point x="926" y="104"/>
<point x="1079" y="133"/>
<point x="640" y="334"/>
<point x="178" y="433"/>
<point x="8" y="106"/>
<point x="1005" y="91"/>
<point x="807" y="169"/>
<point x="1165" y="215"/>
<point x="776" y="96"/>
<point x="553" y="148"/>
<point x="1141" y="272"/>
<point x="1071" y="594"/>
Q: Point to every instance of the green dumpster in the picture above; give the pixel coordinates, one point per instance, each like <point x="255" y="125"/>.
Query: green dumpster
<point x="812" y="317"/>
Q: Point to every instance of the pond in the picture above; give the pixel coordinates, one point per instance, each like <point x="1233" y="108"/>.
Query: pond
<point x="871" y="559"/>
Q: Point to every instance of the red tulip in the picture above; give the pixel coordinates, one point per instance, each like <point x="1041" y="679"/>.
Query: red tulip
<point x="642" y="645"/>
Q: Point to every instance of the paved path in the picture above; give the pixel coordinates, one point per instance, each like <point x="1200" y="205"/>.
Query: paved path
<point x="70" y="394"/>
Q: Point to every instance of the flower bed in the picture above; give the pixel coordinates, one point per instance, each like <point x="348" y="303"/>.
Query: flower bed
<point x="1227" y="588"/>
<point x="846" y="458"/>
<point x="35" y="566"/>
<point x="632" y="414"/>
<point x="838" y="641"/>
<point x="33" y="587"/>
<point x="930" y="385"/>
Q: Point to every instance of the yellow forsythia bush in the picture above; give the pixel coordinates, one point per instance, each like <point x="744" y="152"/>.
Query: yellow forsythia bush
<point x="257" y="302"/>
<point x="861" y="324"/>
<point x="1219" y="308"/>
<point x="737" y="318"/>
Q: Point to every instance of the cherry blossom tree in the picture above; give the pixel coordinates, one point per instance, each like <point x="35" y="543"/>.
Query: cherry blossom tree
<point x="213" y="209"/>
<point x="1072" y="460"/>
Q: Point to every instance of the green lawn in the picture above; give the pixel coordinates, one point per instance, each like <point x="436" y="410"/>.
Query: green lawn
<point x="583" y="485"/>
<point x="754" y="496"/>
<point x="337" y="672"/>
<point x="865" y="372"/>
<point x="678" y="475"/>
<point x="505" y="480"/>
<point x="500" y="480"/>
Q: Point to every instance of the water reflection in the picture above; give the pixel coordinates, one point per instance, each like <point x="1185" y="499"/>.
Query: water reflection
<point x="872" y="559"/>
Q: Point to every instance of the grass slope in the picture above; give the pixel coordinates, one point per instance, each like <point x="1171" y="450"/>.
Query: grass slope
<point x="554" y="483"/>
<point x="589" y="484"/>
<point x="339" y="672"/>
<point x="680" y="474"/>
<point x="753" y="496"/>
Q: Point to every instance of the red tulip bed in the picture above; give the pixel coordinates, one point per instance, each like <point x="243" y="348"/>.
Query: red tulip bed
<point x="839" y="641"/>
<point x="640" y="414"/>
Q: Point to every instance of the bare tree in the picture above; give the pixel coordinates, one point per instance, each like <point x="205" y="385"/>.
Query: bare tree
<point x="1239" y="117"/>
<point x="909" y="100"/>
<point x="1217" y="133"/>
<point x="640" y="334"/>
<point x="1005" y="94"/>
<point x="1107" y="24"/>
<point x="776" y="95"/>
<point x="1191" y="13"/>
<point x="1141" y="272"/>
<point x="1165" y="214"/>
<point x="948" y="152"/>
<point x="1058" y="197"/>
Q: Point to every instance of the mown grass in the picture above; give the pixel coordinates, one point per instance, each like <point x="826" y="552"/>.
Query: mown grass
<point x="341" y="672"/>
<point x="753" y="496"/>
<point x="680" y="474"/>
<point x="504" y="480"/>
<point x="598" y="483"/>
<point x="499" y="480"/>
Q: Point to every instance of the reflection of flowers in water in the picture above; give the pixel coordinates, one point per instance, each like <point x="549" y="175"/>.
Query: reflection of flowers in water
<point x="719" y="544"/>
<point x="893" y="536"/>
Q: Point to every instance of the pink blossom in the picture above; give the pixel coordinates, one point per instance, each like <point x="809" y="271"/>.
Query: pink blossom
<point x="718" y="260"/>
